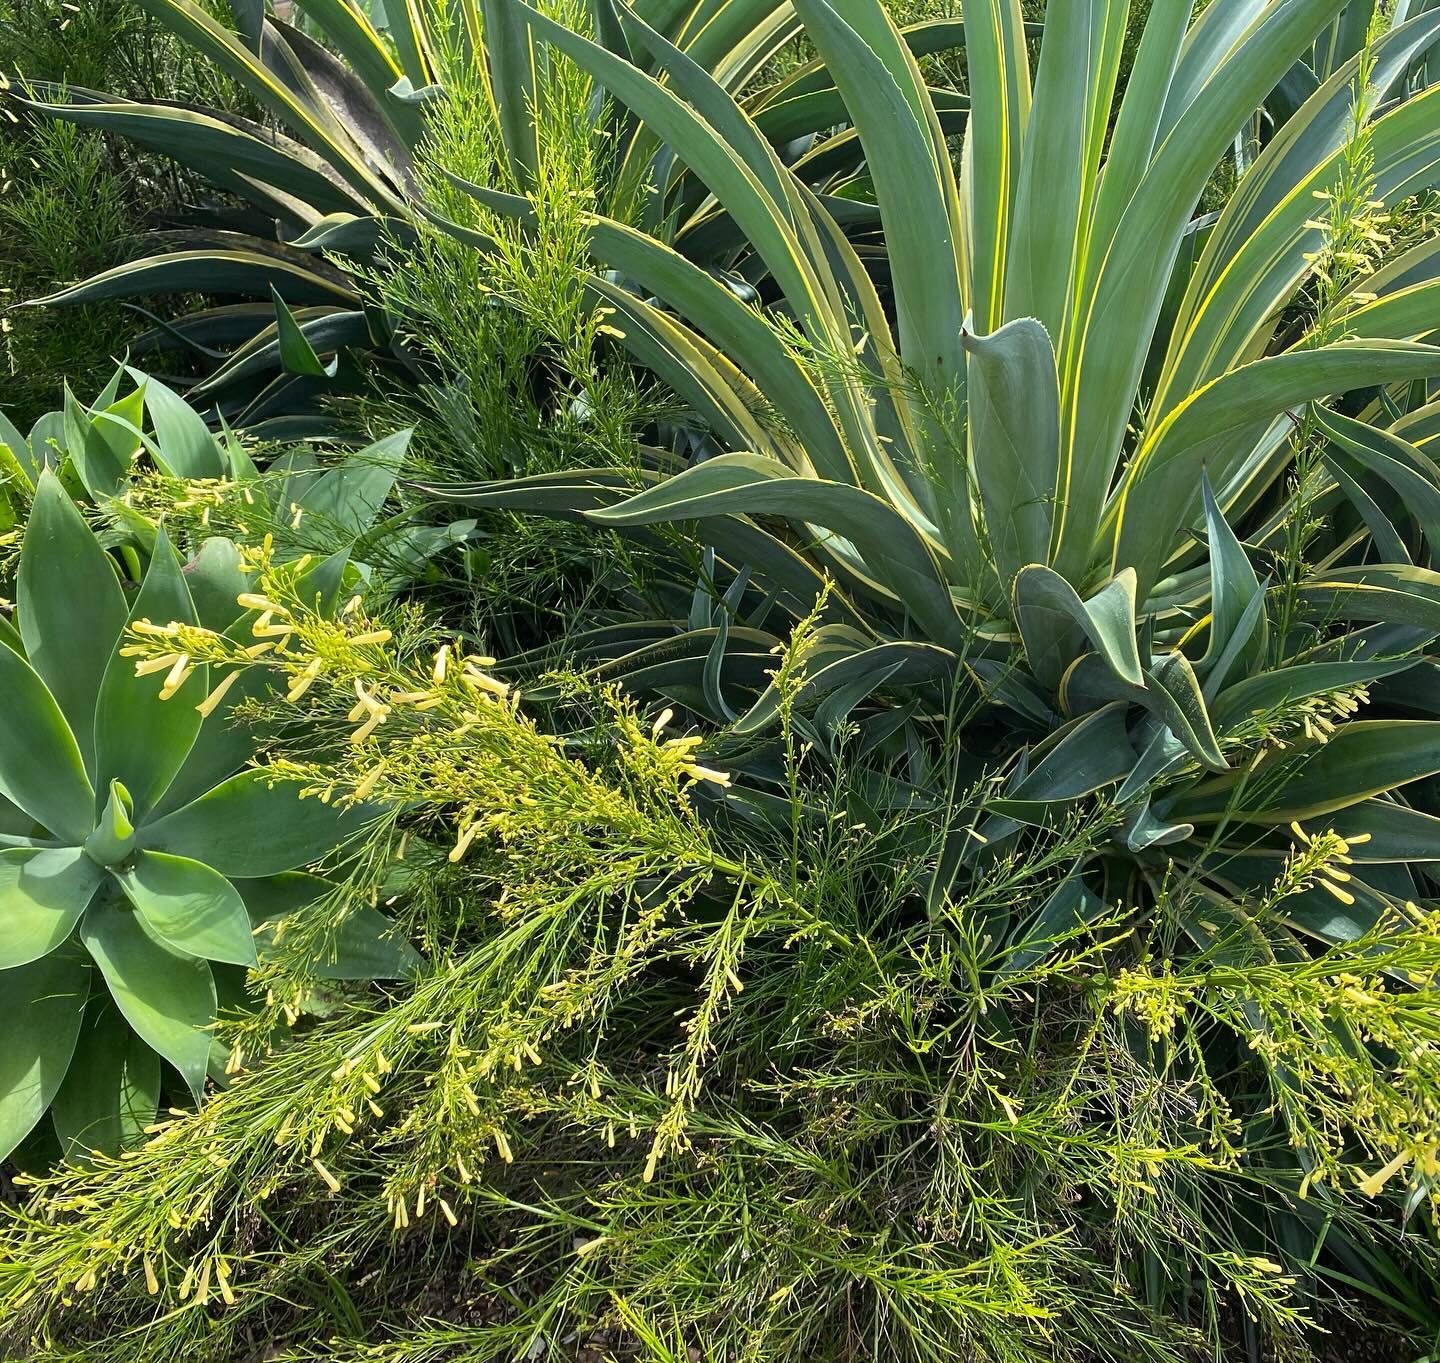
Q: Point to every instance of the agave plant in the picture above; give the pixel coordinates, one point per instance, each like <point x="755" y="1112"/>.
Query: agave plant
<point x="1022" y="491"/>
<point x="139" y="856"/>
<point x="336" y="172"/>
<point x="100" y="451"/>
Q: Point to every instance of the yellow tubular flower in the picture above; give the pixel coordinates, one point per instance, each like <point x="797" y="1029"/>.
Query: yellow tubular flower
<point x="208" y="706"/>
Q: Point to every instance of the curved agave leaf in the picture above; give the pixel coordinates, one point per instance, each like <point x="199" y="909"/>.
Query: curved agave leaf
<point x="43" y="892"/>
<point x="1051" y="618"/>
<point x="1388" y="593"/>
<point x="1363" y="759"/>
<point x="111" y="1091"/>
<point x="1206" y="430"/>
<point x="46" y="1002"/>
<point x="1410" y="474"/>
<point x="189" y="906"/>
<point x="309" y="119"/>
<point x="250" y="825"/>
<point x="750" y="484"/>
<point x="215" y="272"/>
<point x="233" y="153"/>
<point x="167" y="997"/>
<point x="858" y="669"/>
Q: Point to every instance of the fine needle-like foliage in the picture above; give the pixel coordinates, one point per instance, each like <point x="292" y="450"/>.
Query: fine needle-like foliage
<point x="677" y="1096"/>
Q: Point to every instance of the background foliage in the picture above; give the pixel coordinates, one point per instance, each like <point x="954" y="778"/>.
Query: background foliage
<point x="900" y="732"/>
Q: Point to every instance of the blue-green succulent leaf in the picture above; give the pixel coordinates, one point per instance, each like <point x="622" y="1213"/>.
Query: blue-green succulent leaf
<point x="41" y="768"/>
<point x="140" y="739"/>
<point x="252" y="825"/>
<point x="112" y="1089"/>
<point x="71" y="608"/>
<point x="43" y="892"/>
<point x="44" y="1003"/>
<point x="189" y="906"/>
<point x="166" y="996"/>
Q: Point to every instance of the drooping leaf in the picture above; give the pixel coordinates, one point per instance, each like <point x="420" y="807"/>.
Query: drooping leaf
<point x="167" y="997"/>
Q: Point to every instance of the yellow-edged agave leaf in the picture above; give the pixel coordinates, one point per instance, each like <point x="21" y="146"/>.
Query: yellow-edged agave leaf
<point x="737" y="328"/>
<point x="1380" y="454"/>
<point x="348" y="28"/>
<point x="233" y="153"/>
<point x="1236" y="622"/>
<point x="1276" y="692"/>
<point x="1051" y="616"/>
<point x="1205" y="432"/>
<point x="219" y="272"/>
<point x="999" y="70"/>
<point x="910" y="168"/>
<point x="1396" y="594"/>
<point x="1116" y="313"/>
<point x="1382" y="831"/>
<point x="698" y="371"/>
<point x="314" y="124"/>
<point x="1361" y="760"/>
<point x="1064" y="138"/>
<point x="766" y="223"/>
<point x="510" y="58"/>
<point x="752" y="485"/>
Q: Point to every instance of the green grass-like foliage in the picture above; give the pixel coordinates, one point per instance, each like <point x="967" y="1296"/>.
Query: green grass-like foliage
<point x="670" y="1087"/>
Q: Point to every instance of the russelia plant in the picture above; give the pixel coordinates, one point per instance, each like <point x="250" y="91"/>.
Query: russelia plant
<point x="139" y="855"/>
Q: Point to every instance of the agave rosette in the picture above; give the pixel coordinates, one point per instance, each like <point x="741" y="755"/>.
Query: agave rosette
<point x="1023" y="489"/>
<point x="139" y="853"/>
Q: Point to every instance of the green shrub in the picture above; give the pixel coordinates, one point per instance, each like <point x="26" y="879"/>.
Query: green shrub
<point x="681" y="1085"/>
<point x="71" y="198"/>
